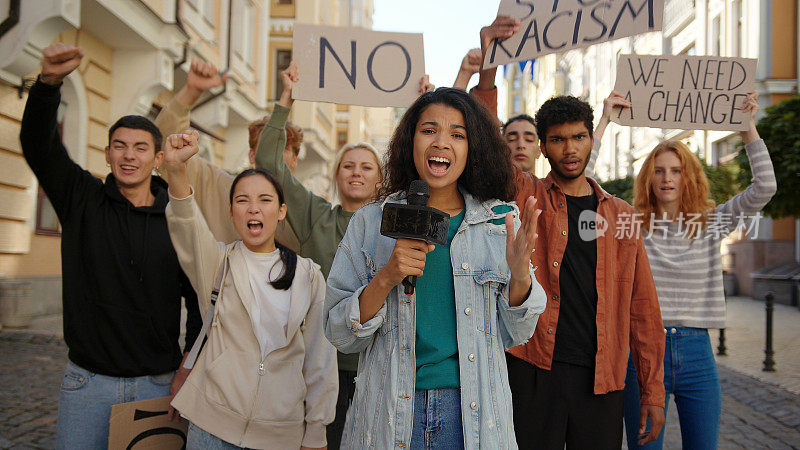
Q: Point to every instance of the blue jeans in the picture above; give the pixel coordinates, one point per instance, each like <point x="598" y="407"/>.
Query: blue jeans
<point x="84" y="404"/>
<point x="437" y="419"/>
<point x="200" y="439"/>
<point x="690" y="374"/>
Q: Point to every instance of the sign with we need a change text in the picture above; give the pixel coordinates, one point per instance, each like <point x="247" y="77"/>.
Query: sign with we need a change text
<point x="684" y="92"/>
<point x="356" y="66"/>
<point x="550" y="26"/>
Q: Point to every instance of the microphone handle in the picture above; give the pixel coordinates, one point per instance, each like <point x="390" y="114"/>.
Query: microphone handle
<point x="409" y="283"/>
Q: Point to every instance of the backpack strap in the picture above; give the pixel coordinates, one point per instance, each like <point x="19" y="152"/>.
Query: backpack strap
<point x="209" y="317"/>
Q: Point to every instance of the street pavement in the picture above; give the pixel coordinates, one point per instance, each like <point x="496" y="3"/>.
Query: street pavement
<point x="759" y="410"/>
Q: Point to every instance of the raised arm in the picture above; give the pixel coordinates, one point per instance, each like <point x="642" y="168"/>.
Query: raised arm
<point x="764" y="184"/>
<point x="470" y="65"/>
<point x="198" y="251"/>
<point x="613" y="101"/>
<point x="58" y="175"/>
<point x="486" y="92"/>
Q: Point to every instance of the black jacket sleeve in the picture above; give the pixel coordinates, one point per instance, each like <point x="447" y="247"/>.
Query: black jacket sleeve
<point x="58" y="175"/>
<point x="194" y="319"/>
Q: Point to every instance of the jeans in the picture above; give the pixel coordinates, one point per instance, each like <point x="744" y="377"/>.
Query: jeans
<point x="347" y="389"/>
<point x="437" y="419"/>
<point x="690" y="374"/>
<point x="84" y="404"/>
<point x="200" y="439"/>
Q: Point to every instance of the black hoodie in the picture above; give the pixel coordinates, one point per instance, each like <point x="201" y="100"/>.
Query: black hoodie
<point x="122" y="284"/>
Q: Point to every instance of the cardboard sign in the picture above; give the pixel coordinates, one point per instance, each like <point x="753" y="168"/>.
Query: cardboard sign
<point x="355" y="66"/>
<point x="684" y="92"/>
<point x="145" y="425"/>
<point x="550" y="26"/>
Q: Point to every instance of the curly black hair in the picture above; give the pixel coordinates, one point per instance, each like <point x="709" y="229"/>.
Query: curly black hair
<point x="563" y="109"/>
<point x="488" y="173"/>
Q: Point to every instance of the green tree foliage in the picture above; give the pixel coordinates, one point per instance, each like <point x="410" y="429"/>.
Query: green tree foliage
<point x="721" y="179"/>
<point x="780" y="129"/>
<point x="621" y="187"/>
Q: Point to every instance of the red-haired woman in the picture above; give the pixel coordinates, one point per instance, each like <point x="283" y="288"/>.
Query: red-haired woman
<point x="682" y="232"/>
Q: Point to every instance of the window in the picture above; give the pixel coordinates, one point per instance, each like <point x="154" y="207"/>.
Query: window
<point x="285" y="2"/>
<point x="738" y="43"/>
<point x="715" y="37"/>
<point x="207" y="10"/>
<point x="517" y="107"/>
<point x="46" y="218"/>
<point x="282" y="60"/>
<point x="243" y="31"/>
<point x="341" y="139"/>
<point x="199" y="14"/>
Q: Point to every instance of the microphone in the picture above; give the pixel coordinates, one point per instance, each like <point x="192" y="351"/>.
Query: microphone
<point x="415" y="220"/>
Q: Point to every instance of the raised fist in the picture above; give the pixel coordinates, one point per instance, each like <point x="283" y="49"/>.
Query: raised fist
<point x="58" y="60"/>
<point x="204" y="76"/>
<point x="178" y="148"/>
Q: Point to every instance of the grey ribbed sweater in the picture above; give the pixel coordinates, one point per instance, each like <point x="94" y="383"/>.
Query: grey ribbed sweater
<point x="688" y="272"/>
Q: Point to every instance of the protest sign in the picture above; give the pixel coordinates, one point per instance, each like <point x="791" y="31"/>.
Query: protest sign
<point x="549" y="26"/>
<point x="684" y="92"/>
<point x="145" y="425"/>
<point x="355" y="66"/>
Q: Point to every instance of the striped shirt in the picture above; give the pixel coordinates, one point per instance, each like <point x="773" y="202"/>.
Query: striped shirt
<point x="688" y="272"/>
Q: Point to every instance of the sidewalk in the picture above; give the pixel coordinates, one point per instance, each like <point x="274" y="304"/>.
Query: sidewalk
<point x="745" y="340"/>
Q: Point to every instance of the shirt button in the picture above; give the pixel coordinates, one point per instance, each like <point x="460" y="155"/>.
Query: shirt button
<point x="464" y="266"/>
<point x="474" y="405"/>
<point x="555" y="263"/>
<point x="673" y="331"/>
<point x="471" y="357"/>
<point x="560" y="205"/>
<point x="467" y="311"/>
<point x="563" y="233"/>
<point x="554" y="297"/>
<point x="549" y="331"/>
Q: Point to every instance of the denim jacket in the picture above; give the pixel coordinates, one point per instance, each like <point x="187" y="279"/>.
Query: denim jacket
<point x="382" y="411"/>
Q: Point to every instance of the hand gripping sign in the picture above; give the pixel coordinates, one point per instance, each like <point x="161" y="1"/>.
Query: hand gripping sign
<point x="550" y="26"/>
<point x="355" y="66"/>
<point x="684" y="92"/>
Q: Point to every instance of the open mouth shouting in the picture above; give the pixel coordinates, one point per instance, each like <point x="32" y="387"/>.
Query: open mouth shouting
<point x="438" y="165"/>
<point x="571" y="164"/>
<point x="255" y="227"/>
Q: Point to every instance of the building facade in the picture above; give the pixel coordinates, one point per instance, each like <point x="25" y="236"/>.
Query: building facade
<point x="766" y="30"/>
<point x="137" y="55"/>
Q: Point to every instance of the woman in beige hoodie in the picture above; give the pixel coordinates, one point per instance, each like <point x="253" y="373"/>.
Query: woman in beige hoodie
<point x="267" y="377"/>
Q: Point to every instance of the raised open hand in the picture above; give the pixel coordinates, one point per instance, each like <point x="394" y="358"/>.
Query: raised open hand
<point x="519" y="247"/>
<point x="502" y="28"/>
<point x="425" y="85"/>
<point x="614" y="100"/>
<point x="58" y="61"/>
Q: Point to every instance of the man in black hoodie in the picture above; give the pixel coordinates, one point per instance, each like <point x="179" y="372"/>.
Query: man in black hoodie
<point x="122" y="283"/>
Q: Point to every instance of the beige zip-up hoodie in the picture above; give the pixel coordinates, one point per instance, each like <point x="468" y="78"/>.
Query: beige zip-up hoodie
<point x="281" y="402"/>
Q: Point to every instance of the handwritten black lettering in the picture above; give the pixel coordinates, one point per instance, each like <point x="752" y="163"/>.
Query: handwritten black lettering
<point x="372" y="57"/>
<point x="351" y="75"/>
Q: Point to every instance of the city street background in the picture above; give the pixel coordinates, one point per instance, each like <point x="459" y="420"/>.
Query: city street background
<point x="759" y="409"/>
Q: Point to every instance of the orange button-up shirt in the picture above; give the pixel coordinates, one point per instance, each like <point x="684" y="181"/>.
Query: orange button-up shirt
<point x="628" y="314"/>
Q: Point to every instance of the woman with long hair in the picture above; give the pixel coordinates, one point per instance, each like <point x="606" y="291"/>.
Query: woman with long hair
<point x="432" y="370"/>
<point x="682" y="231"/>
<point x="266" y="377"/>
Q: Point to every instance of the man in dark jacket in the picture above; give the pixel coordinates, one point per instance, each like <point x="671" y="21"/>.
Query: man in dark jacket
<point x="122" y="283"/>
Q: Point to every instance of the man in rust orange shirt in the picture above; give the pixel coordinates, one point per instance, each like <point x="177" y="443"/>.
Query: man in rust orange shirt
<point x="567" y="381"/>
